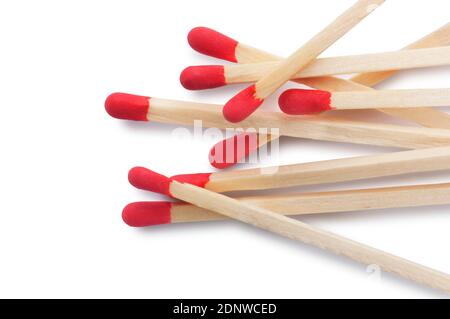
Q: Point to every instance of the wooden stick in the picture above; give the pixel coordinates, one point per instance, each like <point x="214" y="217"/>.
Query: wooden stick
<point x="142" y="214"/>
<point x="440" y="37"/>
<point x="391" y="98"/>
<point x="126" y="106"/>
<point x="211" y="76"/>
<point x="302" y="102"/>
<point x="324" y="172"/>
<point x="247" y="101"/>
<point x="288" y="227"/>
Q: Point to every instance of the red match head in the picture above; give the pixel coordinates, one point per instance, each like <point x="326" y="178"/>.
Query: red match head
<point x="303" y="102"/>
<point x="212" y="43"/>
<point x="199" y="180"/>
<point x="142" y="214"/>
<point x="148" y="180"/>
<point x="242" y="105"/>
<point x="231" y="151"/>
<point x="127" y="106"/>
<point x="203" y="77"/>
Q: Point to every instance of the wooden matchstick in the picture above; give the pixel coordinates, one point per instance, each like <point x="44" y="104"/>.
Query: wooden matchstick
<point x="323" y="172"/>
<point x="246" y="102"/>
<point x="212" y="76"/>
<point x="215" y="44"/>
<point x="265" y="219"/>
<point x="440" y="37"/>
<point x="142" y="214"/>
<point x="303" y="102"/>
<point x="141" y="108"/>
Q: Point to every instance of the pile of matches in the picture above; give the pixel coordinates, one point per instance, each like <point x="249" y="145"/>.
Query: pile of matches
<point x="427" y="147"/>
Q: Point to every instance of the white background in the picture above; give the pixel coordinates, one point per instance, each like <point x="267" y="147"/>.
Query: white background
<point x="64" y="161"/>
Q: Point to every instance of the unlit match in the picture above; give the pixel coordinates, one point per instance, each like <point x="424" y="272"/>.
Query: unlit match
<point x="141" y="108"/>
<point x="213" y="76"/>
<point x="323" y="172"/>
<point x="303" y="102"/>
<point x="142" y="214"/>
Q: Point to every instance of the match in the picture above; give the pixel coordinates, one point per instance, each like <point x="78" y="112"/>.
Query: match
<point x="213" y="76"/>
<point x="303" y="102"/>
<point x="142" y="108"/>
<point x="145" y="179"/>
<point x="247" y="101"/>
<point x="323" y="172"/>
<point x="143" y="214"/>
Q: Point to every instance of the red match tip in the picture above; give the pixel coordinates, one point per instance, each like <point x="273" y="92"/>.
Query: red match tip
<point x="199" y="180"/>
<point x="142" y="214"/>
<point x="203" y="77"/>
<point x="233" y="150"/>
<point x="242" y="105"/>
<point x="148" y="180"/>
<point x="127" y="106"/>
<point x="302" y="102"/>
<point x="212" y="43"/>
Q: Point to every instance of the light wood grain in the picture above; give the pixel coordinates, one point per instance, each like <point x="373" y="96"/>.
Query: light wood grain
<point x="440" y="37"/>
<point x="303" y="232"/>
<point x="390" y="99"/>
<point x="425" y="116"/>
<point x="332" y="171"/>
<point x="398" y="60"/>
<point x="313" y="127"/>
<point x="271" y="81"/>
<point x="328" y="202"/>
